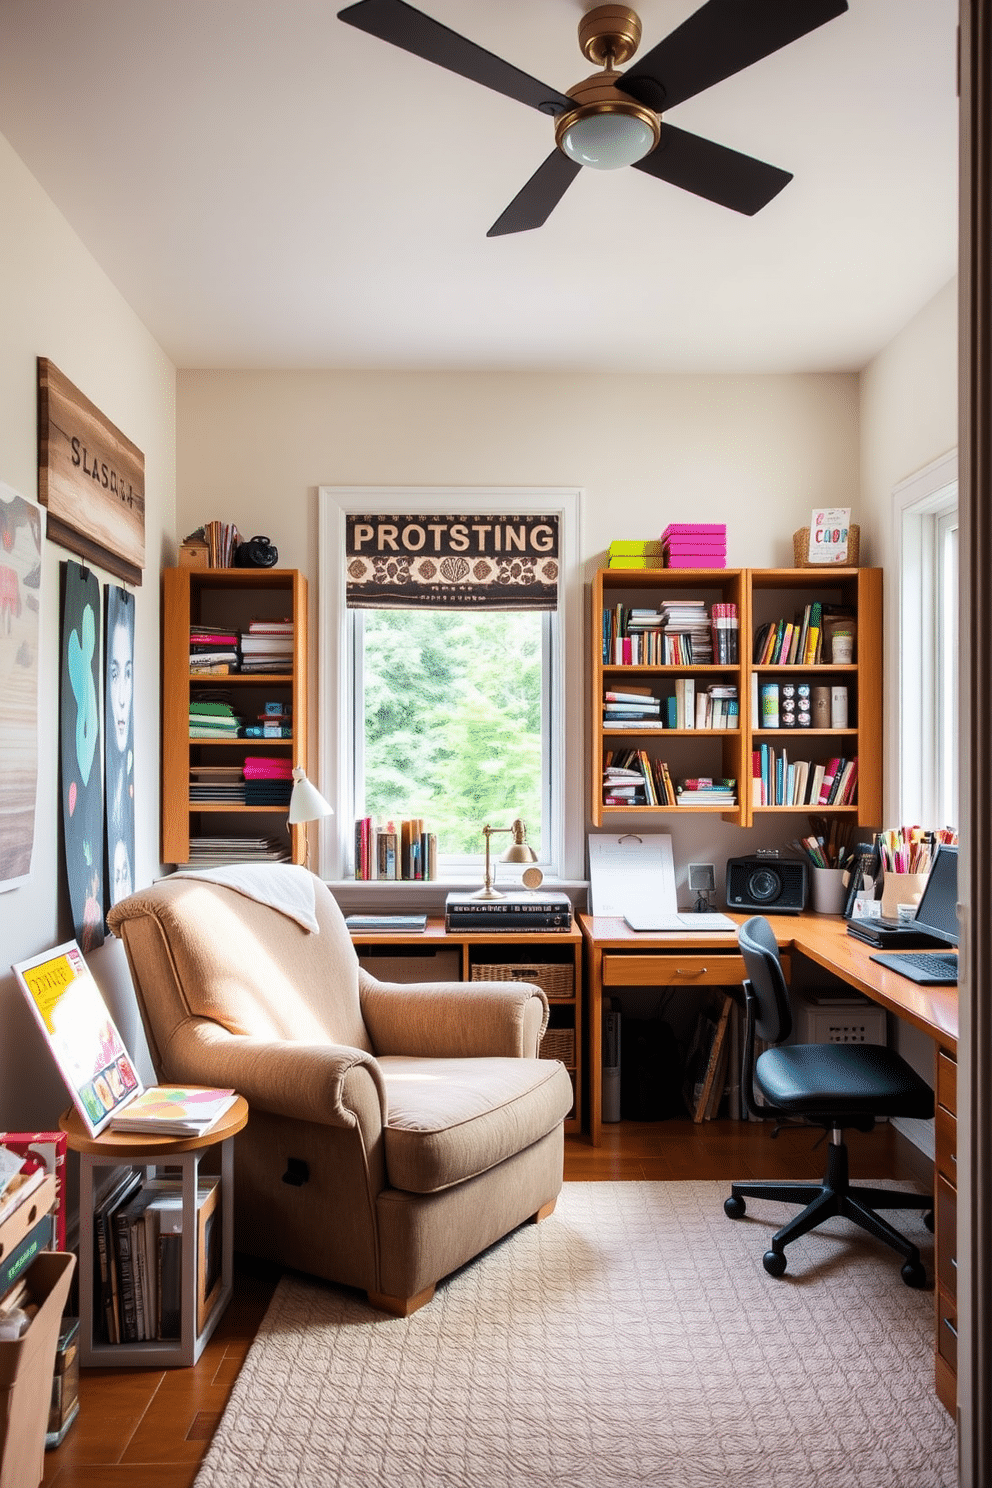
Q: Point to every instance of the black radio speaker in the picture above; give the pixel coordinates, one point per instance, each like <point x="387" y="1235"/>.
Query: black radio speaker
<point x="777" y="885"/>
<point x="257" y="552"/>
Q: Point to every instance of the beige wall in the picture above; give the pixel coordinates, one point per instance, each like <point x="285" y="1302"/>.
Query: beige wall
<point x="55" y="302"/>
<point x="755" y="452"/>
<point x="909" y="418"/>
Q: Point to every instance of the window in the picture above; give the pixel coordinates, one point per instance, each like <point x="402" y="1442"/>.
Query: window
<point x="926" y="520"/>
<point x="451" y="717"/>
<point x="461" y="717"/>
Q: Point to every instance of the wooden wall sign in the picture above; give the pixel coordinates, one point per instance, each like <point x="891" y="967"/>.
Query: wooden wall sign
<point x="90" y="477"/>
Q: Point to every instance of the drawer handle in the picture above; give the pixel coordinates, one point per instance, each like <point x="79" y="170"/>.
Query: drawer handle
<point x="698" y="971"/>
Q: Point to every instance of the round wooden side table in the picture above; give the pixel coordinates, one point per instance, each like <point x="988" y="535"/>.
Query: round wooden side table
<point x="199" y="1314"/>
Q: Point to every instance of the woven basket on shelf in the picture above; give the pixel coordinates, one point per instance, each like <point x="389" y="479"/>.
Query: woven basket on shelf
<point x="554" y="979"/>
<point x="800" y="549"/>
<point x="558" y="1043"/>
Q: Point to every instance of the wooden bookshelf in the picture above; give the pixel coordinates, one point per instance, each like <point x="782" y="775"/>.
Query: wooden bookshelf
<point x="230" y="597"/>
<point x="760" y="595"/>
<point x="783" y="592"/>
<point x="686" y="751"/>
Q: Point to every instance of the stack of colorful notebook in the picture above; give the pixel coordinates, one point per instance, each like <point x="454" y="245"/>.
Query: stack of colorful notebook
<point x="635" y="553"/>
<point x="213" y="720"/>
<point x="268" y="782"/>
<point x="695" y="545"/>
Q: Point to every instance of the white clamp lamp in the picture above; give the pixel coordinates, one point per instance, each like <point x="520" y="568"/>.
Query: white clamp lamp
<point x="306" y="804"/>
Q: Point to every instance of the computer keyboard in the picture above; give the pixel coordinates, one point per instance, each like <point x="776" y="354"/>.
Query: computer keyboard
<point x="927" y="968"/>
<point x="940" y="965"/>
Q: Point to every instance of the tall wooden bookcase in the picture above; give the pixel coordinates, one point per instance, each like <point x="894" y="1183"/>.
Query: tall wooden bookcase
<point x="229" y="597"/>
<point x="759" y="595"/>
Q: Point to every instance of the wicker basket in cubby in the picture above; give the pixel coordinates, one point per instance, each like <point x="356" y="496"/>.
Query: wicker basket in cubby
<point x="553" y="978"/>
<point x="558" y="1043"/>
<point x="800" y="549"/>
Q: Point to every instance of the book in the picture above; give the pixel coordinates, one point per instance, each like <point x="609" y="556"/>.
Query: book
<point x="496" y="924"/>
<point x="15" y="1262"/>
<point x="174" y="1110"/>
<point x="82" y="1036"/>
<point x="694" y="529"/>
<point x="106" y="1296"/>
<point x="164" y="1230"/>
<point x="633" y="547"/>
<point x="513" y="902"/>
<point x="396" y="922"/>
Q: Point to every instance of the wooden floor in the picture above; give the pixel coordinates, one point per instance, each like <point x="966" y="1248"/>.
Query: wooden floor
<point x="147" y="1428"/>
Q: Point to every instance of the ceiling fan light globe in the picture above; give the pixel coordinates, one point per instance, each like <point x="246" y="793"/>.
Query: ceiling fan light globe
<point x="608" y="140"/>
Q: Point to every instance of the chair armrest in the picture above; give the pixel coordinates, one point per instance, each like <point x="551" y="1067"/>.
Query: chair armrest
<point x="327" y="1084"/>
<point x="453" y="1020"/>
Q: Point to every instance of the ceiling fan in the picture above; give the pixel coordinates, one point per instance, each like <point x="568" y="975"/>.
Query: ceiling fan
<point x="612" y="119"/>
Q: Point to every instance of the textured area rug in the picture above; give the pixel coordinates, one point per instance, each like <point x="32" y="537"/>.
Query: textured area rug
<point x="633" y="1338"/>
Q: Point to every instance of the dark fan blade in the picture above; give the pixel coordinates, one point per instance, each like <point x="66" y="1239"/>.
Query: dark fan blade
<point x="532" y="206"/>
<point x="392" y="20"/>
<point x="706" y="169"/>
<point x="721" y="38"/>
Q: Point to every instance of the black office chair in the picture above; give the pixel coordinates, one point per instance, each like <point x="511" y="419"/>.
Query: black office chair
<point x="829" y="1085"/>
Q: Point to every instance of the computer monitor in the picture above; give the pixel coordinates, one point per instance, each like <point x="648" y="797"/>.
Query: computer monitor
<point x="937" y="909"/>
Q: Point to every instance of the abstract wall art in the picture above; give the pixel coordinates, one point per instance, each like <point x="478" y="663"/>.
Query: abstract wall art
<point x="81" y="757"/>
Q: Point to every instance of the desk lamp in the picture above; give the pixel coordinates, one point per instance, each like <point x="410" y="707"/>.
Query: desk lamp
<point x="517" y="852"/>
<point x="306" y="804"/>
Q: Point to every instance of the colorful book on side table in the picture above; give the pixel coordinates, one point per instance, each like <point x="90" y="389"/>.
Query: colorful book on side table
<point x="91" y="1056"/>
<point x="174" y="1111"/>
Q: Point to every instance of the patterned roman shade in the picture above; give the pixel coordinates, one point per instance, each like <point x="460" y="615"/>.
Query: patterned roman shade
<point x="452" y="562"/>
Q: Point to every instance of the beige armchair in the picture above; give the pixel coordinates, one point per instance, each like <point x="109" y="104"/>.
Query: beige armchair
<point x="395" y="1131"/>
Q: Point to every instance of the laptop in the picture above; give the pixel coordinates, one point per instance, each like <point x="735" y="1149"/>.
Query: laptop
<point x="936" y="916"/>
<point x="690" y="922"/>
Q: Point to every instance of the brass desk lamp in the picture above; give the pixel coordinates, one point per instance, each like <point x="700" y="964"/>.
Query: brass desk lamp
<point x="517" y="852"/>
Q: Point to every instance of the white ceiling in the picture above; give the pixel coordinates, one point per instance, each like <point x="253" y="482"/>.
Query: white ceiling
<point x="269" y="187"/>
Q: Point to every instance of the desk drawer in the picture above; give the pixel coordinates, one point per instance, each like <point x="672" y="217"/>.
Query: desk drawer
<point x="947" y="1082"/>
<point x="947" y="1330"/>
<point x="946" y="1144"/>
<point x="674" y="969"/>
<point x="947" y="1237"/>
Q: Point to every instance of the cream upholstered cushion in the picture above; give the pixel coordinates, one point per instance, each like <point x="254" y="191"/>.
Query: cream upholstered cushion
<point x="450" y="1119"/>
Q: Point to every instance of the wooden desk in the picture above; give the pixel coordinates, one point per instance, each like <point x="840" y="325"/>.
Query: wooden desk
<point x="617" y="956"/>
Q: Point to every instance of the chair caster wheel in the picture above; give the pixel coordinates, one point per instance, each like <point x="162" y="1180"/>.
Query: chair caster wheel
<point x="734" y="1207"/>
<point x="914" y="1274"/>
<point x="774" y="1262"/>
<point x="928" y="1220"/>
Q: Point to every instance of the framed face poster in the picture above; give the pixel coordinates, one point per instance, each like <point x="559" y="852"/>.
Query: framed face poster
<point x="20" y="590"/>
<point x="118" y="727"/>
<point x="80" y="755"/>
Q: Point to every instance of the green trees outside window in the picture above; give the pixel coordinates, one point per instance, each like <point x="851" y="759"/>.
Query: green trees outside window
<point x="452" y="721"/>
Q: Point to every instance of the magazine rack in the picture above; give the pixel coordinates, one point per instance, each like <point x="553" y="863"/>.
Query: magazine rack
<point x="121" y="1149"/>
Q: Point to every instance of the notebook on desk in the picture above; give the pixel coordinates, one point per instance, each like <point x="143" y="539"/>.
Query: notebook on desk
<point x="936" y="916"/>
<point x="679" y="924"/>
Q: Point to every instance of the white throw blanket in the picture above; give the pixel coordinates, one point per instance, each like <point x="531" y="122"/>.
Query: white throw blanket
<point x="282" y="886"/>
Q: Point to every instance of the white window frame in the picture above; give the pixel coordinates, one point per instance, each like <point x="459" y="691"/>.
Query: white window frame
<point x="563" y="845"/>
<point x="921" y="506"/>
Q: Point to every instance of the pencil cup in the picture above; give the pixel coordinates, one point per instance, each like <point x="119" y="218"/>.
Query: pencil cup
<point x="901" y="888"/>
<point x="829" y="891"/>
